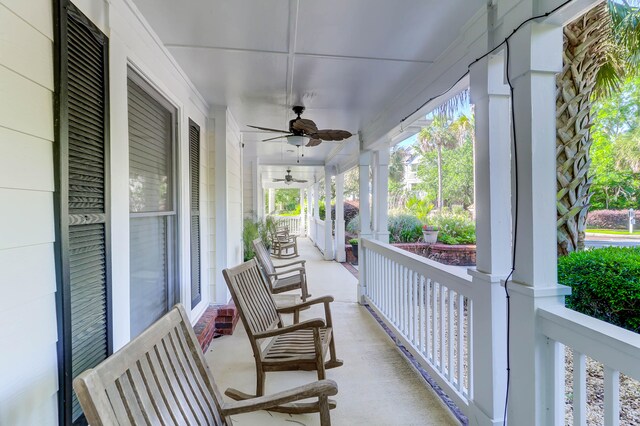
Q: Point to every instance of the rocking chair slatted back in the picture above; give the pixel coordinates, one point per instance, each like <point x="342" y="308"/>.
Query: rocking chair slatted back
<point x="259" y="311"/>
<point x="263" y="255"/>
<point x="158" y="378"/>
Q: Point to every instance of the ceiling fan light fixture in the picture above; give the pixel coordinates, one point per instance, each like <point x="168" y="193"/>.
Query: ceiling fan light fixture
<point x="295" y="140"/>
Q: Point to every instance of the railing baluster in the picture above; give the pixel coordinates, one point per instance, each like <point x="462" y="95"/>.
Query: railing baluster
<point x="442" y="328"/>
<point x="434" y="322"/>
<point x="421" y="344"/>
<point x="611" y="396"/>
<point x="429" y="311"/>
<point x="469" y="353"/>
<point x="460" y="357"/>
<point x="451" y="338"/>
<point x="416" y="308"/>
<point x="579" y="389"/>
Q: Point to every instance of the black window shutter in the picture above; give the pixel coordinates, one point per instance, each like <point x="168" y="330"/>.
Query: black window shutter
<point x="194" y="168"/>
<point x="82" y="206"/>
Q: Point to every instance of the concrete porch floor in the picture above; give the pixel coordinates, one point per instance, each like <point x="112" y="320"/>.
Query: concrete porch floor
<point x="376" y="384"/>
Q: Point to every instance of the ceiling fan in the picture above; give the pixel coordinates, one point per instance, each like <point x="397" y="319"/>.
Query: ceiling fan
<point x="301" y="128"/>
<point x="288" y="179"/>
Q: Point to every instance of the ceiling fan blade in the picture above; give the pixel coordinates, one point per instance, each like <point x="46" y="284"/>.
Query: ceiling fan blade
<point x="305" y="125"/>
<point x="267" y="129"/>
<point x="300" y="180"/>
<point x="331" y="135"/>
<point x="277" y="137"/>
<point x="314" y="142"/>
<point x="279" y="180"/>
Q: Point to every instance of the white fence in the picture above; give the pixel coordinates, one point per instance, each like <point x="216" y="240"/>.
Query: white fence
<point x="294" y="223"/>
<point x="617" y="349"/>
<point x="430" y="309"/>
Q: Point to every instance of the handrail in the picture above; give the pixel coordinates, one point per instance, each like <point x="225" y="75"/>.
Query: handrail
<point x="429" y="306"/>
<point x="435" y="270"/>
<point x="609" y="344"/>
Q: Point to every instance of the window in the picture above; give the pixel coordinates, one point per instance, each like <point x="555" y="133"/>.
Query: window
<point x="152" y="204"/>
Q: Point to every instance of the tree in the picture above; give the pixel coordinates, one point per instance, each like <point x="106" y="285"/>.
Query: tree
<point x="352" y="183"/>
<point x="600" y="48"/>
<point x="615" y="152"/>
<point x="435" y="137"/>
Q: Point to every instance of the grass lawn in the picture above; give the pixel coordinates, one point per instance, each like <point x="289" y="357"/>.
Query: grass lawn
<point x="612" y="231"/>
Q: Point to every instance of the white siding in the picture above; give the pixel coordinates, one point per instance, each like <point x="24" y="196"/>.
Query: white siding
<point x="28" y="335"/>
<point x="28" y="331"/>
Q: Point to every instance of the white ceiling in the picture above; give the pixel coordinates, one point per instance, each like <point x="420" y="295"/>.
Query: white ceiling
<point x="344" y="60"/>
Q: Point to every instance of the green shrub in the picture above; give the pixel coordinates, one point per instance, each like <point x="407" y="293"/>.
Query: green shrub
<point x="404" y="228"/>
<point x="250" y="231"/>
<point x="605" y="284"/>
<point x="353" y="227"/>
<point x="455" y="227"/>
<point x="419" y="207"/>
<point x="353" y="241"/>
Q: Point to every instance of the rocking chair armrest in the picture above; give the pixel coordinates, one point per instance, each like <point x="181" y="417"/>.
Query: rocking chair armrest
<point x="312" y="323"/>
<point x="292" y="308"/>
<point x="288" y="271"/>
<point x="312" y="390"/>
<point x="295" y="262"/>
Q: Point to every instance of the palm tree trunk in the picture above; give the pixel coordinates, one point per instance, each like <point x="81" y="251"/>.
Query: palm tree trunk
<point x="440" y="203"/>
<point x="584" y="40"/>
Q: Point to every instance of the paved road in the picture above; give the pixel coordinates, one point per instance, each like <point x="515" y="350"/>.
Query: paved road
<point x="610" y="240"/>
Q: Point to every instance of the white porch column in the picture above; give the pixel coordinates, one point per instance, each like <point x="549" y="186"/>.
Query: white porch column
<point x="309" y="212"/>
<point x="328" y="234"/>
<point x="316" y="201"/>
<point x="364" y="162"/>
<point x="340" y="253"/>
<point x="316" y="211"/>
<point x="303" y="229"/>
<point x="272" y="200"/>
<point x="491" y="98"/>
<point x="536" y="57"/>
<point x="381" y="199"/>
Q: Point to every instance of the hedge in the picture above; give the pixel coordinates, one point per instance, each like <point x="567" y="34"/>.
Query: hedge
<point x="610" y="219"/>
<point x="605" y="284"/>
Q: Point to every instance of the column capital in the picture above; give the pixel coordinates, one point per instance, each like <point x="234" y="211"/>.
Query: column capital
<point x="383" y="155"/>
<point x="534" y="49"/>
<point x="487" y="78"/>
<point x="364" y="158"/>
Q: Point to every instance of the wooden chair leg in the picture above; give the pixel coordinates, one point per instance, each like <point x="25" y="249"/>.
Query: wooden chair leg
<point x="325" y="418"/>
<point x="260" y="382"/>
<point x="333" y="360"/>
<point x="319" y="354"/>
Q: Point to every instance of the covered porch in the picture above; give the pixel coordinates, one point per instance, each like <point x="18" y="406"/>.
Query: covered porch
<point x="377" y="384"/>
<point x="139" y="203"/>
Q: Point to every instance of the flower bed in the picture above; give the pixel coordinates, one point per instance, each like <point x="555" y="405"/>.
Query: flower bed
<point x="458" y="255"/>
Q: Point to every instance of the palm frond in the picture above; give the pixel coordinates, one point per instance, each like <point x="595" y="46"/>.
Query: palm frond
<point x="453" y="104"/>
<point x="608" y="79"/>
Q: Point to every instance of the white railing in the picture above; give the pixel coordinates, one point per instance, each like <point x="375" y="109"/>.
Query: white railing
<point x="291" y="222"/>
<point x="320" y="234"/>
<point x="429" y="306"/>
<point x="617" y="349"/>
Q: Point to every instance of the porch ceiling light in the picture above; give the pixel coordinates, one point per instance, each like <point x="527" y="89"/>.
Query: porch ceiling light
<point x="295" y="140"/>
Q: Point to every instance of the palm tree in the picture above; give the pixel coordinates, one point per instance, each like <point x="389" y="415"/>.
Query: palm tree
<point x="601" y="48"/>
<point x="437" y="135"/>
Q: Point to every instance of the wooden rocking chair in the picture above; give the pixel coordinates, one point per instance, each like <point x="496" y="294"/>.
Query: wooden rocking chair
<point x="282" y="242"/>
<point x="301" y="346"/>
<point x="281" y="280"/>
<point x="161" y="378"/>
